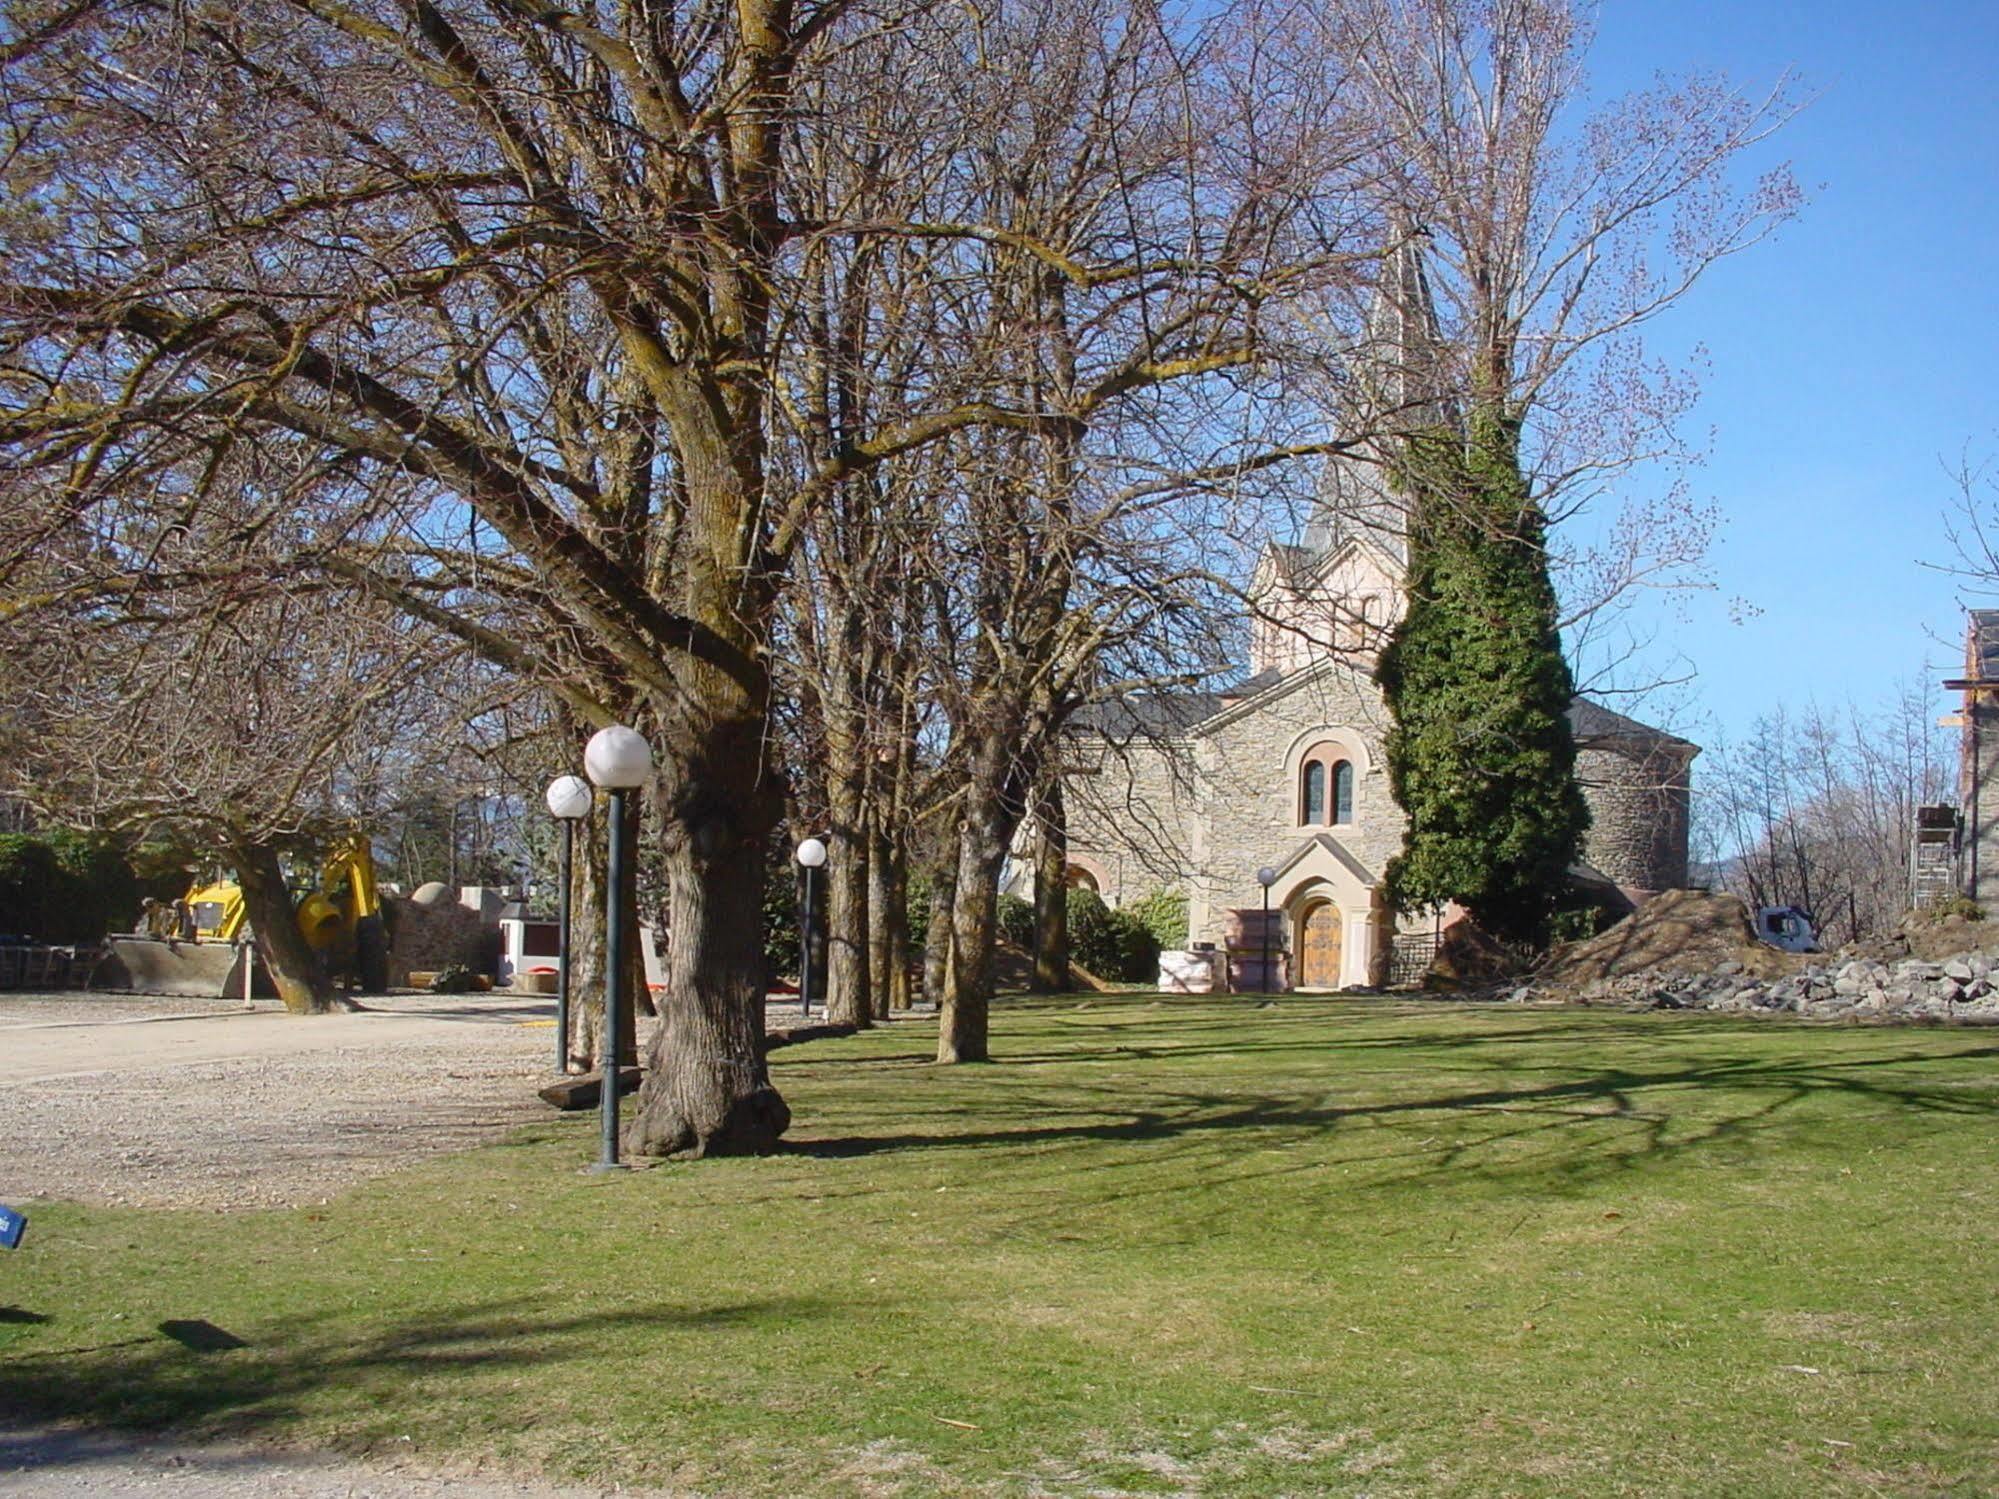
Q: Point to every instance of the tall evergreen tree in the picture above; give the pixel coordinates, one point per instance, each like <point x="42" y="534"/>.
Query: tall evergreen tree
<point x="1480" y="753"/>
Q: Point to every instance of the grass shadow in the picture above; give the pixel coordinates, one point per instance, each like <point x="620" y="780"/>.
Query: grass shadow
<point x="190" y="1380"/>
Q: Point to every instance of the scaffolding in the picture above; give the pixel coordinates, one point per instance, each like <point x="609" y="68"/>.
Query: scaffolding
<point x="1934" y="846"/>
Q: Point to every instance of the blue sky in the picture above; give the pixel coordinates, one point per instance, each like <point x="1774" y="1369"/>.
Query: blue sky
<point x="1851" y="357"/>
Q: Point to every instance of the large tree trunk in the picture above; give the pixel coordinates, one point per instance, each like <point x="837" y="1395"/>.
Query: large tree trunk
<point x="847" y="1001"/>
<point x="589" y="890"/>
<point x="900" y="995"/>
<point x="296" y="971"/>
<point x="884" y="931"/>
<point x="1051" y="890"/>
<point x="937" y="933"/>
<point x="707" y="1090"/>
<point x="982" y="847"/>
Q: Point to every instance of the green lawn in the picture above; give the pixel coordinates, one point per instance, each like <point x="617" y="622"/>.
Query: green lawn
<point x="1165" y="1246"/>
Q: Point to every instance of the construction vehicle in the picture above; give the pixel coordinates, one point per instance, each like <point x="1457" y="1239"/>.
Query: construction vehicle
<point x="200" y="947"/>
<point x="1788" y="928"/>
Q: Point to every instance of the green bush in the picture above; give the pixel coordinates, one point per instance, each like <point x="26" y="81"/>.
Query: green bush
<point x="1962" y="907"/>
<point x="68" y="888"/>
<point x="1113" y="945"/>
<point x="1016" y="921"/>
<point x="780" y="911"/>
<point x="1164" y="914"/>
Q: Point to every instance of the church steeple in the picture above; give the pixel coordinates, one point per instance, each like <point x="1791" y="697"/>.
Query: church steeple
<point x="1400" y="361"/>
<point x="1395" y="385"/>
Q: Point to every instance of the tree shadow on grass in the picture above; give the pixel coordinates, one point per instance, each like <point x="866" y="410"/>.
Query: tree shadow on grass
<point x="1723" y="1098"/>
<point x="209" y="1389"/>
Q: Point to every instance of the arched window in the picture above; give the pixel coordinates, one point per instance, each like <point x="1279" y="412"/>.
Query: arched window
<point x="1325" y="787"/>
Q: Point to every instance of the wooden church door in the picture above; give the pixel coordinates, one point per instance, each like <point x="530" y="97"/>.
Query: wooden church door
<point x="1319" y="947"/>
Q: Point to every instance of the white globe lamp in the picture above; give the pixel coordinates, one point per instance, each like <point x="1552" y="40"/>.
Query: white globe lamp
<point x="569" y="798"/>
<point x="618" y="758"/>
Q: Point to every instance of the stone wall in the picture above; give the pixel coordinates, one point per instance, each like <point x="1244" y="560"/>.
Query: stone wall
<point x="1639" y="797"/>
<point x="1130" y="806"/>
<point x="1979" y="795"/>
<point x="1249" y="763"/>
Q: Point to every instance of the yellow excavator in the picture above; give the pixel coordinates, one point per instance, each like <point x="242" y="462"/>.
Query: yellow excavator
<point x="198" y="946"/>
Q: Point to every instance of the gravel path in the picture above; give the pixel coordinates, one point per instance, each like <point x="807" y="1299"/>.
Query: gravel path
<point x="145" y="1102"/>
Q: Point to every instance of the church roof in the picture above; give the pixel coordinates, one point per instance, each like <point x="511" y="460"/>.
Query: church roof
<point x="1169" y="714"/>
<point x="1151" y="715"/>
<point x="1983" y="654"/>
<point x="1334" y="847"/>
<point x="1594" y="724"/>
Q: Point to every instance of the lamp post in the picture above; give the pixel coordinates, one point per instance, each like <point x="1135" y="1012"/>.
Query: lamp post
<point x="569" y="799"/>
<point x="811" y="854"/>
<point x="618" y="759"/>
<point x="1266" y="877"/>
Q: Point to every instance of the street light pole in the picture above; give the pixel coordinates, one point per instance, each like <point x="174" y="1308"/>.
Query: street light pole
<point x="619" y="760"/>
<point x="1266" y="877"/>
<point x="562" y="929"/>
<point x="569" y="799"/>
<point x="811" y="854"/>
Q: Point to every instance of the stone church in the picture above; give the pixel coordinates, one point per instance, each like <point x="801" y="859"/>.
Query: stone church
<point x="1196" y="792"/>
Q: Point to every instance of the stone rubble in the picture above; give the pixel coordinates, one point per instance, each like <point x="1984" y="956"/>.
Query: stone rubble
<point x="1835" y="987"/>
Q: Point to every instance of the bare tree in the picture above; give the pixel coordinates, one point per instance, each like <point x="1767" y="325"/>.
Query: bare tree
<point x="1818" y="810"/>
<point x="527" y="262"/>
<point x="157" y="681"/>
<point x="1553" y="232"/>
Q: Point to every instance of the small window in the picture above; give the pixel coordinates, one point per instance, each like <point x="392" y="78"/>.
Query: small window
<point x="1325" y="788"/>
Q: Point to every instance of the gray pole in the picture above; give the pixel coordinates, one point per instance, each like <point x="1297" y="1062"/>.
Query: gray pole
<point x="614" y="982"/>
<point x="805" y="950"/>
<point x="562" y="982"/>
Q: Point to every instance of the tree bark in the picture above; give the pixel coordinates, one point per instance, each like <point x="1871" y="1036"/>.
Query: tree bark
<point x="962" y="1018"/>
<point x="901" y="986"/>
<point x="707" y="1090"/>
<point x="884" y="934"/>
<point x="847" y="999"/>
<point x="937" y="938"/>
<point x="998" y="780"/>
<point x="590" y="888"/>
<point x="300" y="978"/>
<point x="1051" y="890"/>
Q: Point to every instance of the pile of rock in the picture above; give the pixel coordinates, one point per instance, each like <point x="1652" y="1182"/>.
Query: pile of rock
<point x="1965" y="987"/>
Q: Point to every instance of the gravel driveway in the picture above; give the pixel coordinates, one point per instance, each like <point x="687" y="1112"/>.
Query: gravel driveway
<point x="185" y="1103"/>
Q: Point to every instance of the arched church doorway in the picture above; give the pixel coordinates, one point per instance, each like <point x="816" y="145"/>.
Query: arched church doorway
<point x="1319" y="946"/>
<point x="1076" y="877"/>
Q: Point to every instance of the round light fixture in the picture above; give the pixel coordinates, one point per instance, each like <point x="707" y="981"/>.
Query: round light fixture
<point x="618" y="758"/>
<point x="812" y="853"/>
<point x="569" y="797"/>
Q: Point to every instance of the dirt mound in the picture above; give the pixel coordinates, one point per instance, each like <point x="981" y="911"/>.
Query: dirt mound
<point x="1679" y="931"/>
<point x="1013" y="972"/>
<point x="1467" y="956"/>
<point x="1929" y="935"/>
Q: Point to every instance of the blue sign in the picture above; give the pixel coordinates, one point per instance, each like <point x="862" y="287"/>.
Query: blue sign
<point x="12" y="1225"/>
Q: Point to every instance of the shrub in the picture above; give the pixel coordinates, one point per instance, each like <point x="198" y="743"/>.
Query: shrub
<point x="1113" y="945"/>
<point x="1963" y="907"/>
<point x="65" y="887"/>
<point x="1164" y="914"/>
<point x="1581" y="920"/>
<point x="781" y="913"/>
<point x="1016" y="921"/>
